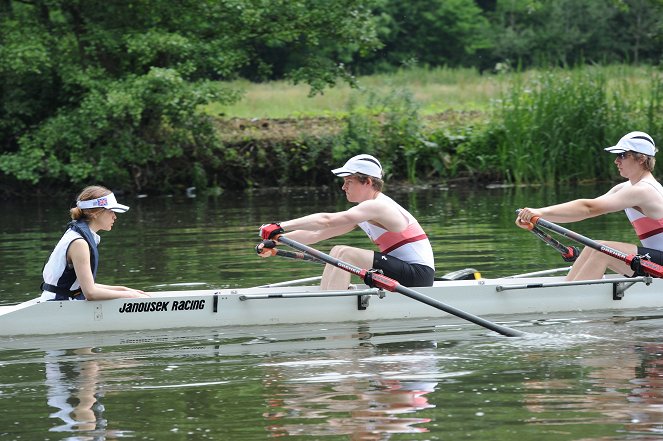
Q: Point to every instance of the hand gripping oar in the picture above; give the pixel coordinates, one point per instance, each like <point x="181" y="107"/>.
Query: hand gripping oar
<point x="569" y="254"/>
<point x="270" y="249"/>
<point x="383" y="282"/>
<point x="633" y="260"/>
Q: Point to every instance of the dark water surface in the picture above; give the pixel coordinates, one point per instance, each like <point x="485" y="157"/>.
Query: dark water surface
<point x="579" y="377"/>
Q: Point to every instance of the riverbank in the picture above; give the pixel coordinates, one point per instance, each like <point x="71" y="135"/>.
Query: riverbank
<point x="519" y="128"/>
<point x="241" y="130"/>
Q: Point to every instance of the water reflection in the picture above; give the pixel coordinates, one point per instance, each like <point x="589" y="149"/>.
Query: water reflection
<point x="362" y="409"/>
<point x="366" y="392"/>
<point x="376" y="381"/>
<point x="75" y="388"/>
<point x="616" y="383"/>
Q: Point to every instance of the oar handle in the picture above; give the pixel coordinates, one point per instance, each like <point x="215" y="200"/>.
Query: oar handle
<point x="633" y="260"/>
<point x="322" y="256"/>
<point x="569" y="254"/>
<point x="269" y="249"/>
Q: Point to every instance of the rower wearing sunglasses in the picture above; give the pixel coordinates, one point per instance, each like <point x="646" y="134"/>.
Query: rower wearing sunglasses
<point x="640" y="196"/>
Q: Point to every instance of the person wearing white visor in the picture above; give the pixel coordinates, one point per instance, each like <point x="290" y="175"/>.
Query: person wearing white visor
<point x="641" y="198"/>
<point x="109" y="202"/>
<point x="71" y="269"/>
<point x="405" y="251"/>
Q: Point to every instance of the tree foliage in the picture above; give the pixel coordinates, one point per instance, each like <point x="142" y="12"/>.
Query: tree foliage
<point x="111" y="91"/>
<point x="429" y="32"/>
<point x="483" y="33"/>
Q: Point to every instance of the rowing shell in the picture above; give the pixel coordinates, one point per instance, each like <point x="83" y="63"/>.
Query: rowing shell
<point x="307" y="304"/>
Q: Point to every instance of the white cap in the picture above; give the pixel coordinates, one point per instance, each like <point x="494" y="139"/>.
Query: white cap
<point x="108" y="202"/>
<point x="364" y="164"/>
<point x="638" y="142"/>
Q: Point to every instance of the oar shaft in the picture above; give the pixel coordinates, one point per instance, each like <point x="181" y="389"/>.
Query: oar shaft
<point x="319" y="255"/>
<point x="630" y="259"/>
<point x="295" y="255"/>
<point x="384" y="282"/>
<point x="569" y="254"/>
<point x="509" y="332"/>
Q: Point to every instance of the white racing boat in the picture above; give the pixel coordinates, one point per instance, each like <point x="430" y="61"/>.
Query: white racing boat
<point x="462" y="295"/>
<point x="291" y="304"/>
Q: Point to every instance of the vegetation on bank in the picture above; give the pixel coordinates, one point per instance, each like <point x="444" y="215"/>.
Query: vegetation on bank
<point x="125" y="93"/>
<point x="532" y="127"/>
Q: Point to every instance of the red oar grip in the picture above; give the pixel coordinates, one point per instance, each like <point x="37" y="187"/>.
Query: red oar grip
<point x="381" y="281"/>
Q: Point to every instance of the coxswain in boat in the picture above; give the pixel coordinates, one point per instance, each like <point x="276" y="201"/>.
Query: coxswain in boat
<point x="71" y="270"/>
<point x="640" y="196"/>
<point x="405" y="252"/>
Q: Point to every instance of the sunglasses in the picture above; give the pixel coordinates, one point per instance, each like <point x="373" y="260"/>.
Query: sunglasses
<point x="623" y="155"/>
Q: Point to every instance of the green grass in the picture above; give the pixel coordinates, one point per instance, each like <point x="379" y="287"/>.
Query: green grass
<point x="435" y="90"/>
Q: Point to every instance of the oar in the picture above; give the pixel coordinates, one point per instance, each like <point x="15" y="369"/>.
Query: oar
<point x="569" y="254"/>
<point x="633" y="260"/>
<point x="271" y="249"/>
<point x="383" y="282"/>
<point x="296" y="255"/>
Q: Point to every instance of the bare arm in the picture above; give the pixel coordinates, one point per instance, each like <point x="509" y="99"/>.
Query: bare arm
<point x="79" y="253"/>
<point x="618" y="198"/>
<point x="320" y="226"/>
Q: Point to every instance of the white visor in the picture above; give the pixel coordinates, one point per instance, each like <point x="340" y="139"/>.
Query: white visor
<point x="638" y="142"/>
<point x="364" y="164"/>
<point x="108" y="202"/>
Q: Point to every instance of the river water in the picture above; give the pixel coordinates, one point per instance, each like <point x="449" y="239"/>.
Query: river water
<point x="584" y="377"/>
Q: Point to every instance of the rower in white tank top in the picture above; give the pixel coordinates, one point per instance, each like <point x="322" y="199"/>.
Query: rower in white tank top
<point x="649" y="231"/>
<point x="410" y="245"/>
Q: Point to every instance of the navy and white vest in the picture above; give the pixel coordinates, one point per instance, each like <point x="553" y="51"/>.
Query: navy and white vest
<point x="60" y="281"/>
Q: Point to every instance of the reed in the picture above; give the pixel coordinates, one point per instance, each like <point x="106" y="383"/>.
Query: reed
<point x="554" y="125"/>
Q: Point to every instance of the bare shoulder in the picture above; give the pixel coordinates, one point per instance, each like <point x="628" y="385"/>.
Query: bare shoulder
<point x="370" y="209"/>
<point x="78" y="247"/>
<point x="384" y="213"/>
<point x="650" y="190"/>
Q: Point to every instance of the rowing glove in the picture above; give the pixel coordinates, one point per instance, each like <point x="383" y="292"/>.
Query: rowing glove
<point x="266" y="248"/>
<point x="268" y="231"/>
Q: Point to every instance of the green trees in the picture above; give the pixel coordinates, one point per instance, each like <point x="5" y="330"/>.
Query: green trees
<point x="428" y="32"/>
<point x="570" y="32"/>
<point x="525" y="33"/>
<point x="110" y="91"/>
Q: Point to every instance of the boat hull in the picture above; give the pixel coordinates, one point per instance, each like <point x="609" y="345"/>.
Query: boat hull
<point x="294" y="305"/>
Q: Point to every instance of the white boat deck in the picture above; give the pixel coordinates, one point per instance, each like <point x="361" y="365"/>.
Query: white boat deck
<point x="307" y="304"/>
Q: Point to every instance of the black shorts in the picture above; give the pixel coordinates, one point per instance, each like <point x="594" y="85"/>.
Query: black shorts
<point x="655" y="256"/>
<point x="407" y="274"/>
